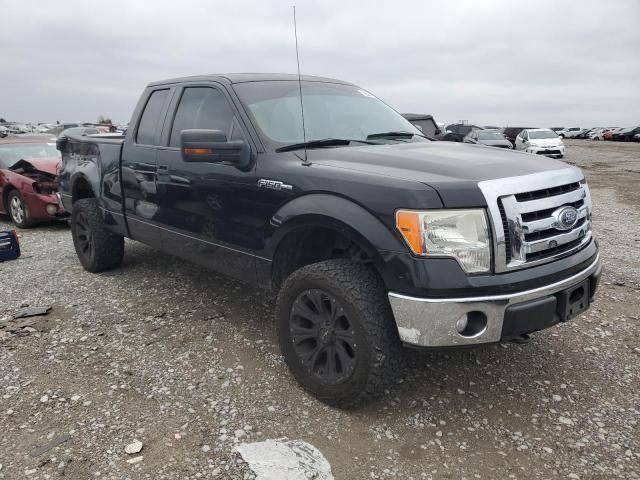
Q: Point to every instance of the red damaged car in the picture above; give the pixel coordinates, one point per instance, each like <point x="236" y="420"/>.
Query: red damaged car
<point x="29" y="166"/>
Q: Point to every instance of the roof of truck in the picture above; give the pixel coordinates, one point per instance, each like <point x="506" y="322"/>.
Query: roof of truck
<point x="249" y="77"/>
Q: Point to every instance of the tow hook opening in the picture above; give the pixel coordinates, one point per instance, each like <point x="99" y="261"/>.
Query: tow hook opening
<point x="472" y="324"/>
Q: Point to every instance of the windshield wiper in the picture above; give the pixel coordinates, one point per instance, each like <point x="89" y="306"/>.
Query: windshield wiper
<point x="325" y="142"/>
<point x="400" y="134"/>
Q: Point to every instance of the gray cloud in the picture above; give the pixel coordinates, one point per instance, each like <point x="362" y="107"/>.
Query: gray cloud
<point x="534" y="63"/>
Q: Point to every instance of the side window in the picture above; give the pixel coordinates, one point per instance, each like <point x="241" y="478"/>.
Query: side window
<point x="203" y="107"/>
<point x="150" y="118"/>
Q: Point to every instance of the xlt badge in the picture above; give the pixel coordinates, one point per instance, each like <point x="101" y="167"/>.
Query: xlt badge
<point x="274" y="185"/>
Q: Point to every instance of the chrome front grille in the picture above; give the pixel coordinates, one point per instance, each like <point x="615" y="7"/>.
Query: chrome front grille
<point x="525" y="213"/>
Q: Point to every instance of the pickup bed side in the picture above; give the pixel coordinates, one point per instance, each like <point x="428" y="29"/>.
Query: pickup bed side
<point x="92" y="170"/>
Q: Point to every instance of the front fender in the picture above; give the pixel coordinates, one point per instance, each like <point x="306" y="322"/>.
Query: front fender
<point x="333" y="212"/>
<point x="378" y="240"/>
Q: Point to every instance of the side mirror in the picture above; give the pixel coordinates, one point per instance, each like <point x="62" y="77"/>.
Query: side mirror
<point x="212" y="146"/>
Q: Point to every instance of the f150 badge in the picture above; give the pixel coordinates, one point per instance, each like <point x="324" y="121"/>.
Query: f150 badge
<point x="274" y="185"/>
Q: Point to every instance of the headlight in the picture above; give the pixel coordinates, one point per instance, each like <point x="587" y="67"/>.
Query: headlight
<point x="461" y="234"/>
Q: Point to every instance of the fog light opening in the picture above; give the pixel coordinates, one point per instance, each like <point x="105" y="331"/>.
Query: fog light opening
<point x="471" y="325"/>
<point x="52" y="209"/>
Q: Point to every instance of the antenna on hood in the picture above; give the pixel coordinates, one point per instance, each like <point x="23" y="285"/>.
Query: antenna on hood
<point x="304" y="132"/>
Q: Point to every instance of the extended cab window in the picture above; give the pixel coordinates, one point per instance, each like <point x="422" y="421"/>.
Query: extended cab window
<point x="150" y="118"/>
<point x="202" y="107"/>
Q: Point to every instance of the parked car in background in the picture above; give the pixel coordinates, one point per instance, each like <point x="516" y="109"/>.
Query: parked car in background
<point x="82" y="131"/>
<point x="28" y="179"/>
<point x="425" y="123"/>
<point x="541" y="141"/>
<point x="557" y="129"/>
<point x="59" y="128"/>
<point x="490" y="138"/>
<point x="626" y="134"/>
<point x="608" y="135"/>
<point x="512" y="132"/>
<point x="598" y="134"/>
<point x="457" y="131"/>
<point x="570" y="132"/>
<point x="584" y="134"/>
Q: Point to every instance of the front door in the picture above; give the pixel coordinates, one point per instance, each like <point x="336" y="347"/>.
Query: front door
<point x="209" y="209"/>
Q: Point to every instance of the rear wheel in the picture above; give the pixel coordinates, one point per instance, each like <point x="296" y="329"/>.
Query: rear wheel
<point x="98" y="248"/>
<point x="18" y="211"/>
<point x="337" y="332"/>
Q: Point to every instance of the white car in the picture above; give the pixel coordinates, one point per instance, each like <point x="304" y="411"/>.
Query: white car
<point x="540" y="141"/>
<point x="570" y="132"/>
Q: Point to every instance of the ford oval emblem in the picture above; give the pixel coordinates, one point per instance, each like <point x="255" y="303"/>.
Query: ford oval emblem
<point x="566" y="218"/>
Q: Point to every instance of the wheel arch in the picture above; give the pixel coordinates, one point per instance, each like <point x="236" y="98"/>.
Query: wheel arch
<point x="81" y="188"/>
<point x="347" y="224"/>
<point x="6" y="191"/>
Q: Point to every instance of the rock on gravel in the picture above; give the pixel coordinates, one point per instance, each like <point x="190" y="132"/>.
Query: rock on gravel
<point x="285" y="460"/>
<point x="133" y="447"/>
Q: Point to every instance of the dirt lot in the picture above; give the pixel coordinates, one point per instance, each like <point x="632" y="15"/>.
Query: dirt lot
<point x="187" y="362"/>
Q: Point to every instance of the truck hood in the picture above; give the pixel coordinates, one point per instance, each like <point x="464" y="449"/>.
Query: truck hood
<point x="453" y="170"/>
<point x="435" y="163"/>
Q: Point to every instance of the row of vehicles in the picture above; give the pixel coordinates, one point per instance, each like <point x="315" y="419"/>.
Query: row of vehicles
<point x="541" y="141"/>
<point x="618" y="134"/>
<point x="10" y="128"/>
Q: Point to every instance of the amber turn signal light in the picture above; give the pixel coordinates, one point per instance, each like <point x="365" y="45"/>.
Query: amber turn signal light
<point x="408" y="223"/>
<point x="198" y="151"/>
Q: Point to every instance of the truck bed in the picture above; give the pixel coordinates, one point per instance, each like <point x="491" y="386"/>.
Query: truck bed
<point x="92" y="164"/>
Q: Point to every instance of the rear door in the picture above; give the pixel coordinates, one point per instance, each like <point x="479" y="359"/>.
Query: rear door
<point x="211" y="211"/>
<point x="139" y="167"/>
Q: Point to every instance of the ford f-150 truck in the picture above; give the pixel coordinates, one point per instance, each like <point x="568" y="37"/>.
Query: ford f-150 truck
<point x="374" y="237"/>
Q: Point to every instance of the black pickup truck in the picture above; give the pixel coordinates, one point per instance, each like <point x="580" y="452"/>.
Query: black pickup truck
<point x="373" y="236"/>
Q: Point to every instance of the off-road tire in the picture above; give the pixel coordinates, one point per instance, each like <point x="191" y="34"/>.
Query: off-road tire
<point x="23" y="221"/>
<point x="379" y="357"/>
<point x="105" y="249"/>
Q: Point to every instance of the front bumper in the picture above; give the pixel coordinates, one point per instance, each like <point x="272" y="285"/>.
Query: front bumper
<point x="431" y="322"/>
<point x="43" y="206"/>
<point x="550" y="151"/>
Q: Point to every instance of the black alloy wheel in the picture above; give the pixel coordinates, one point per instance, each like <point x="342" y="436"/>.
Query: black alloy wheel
<point x="323" y="336"/>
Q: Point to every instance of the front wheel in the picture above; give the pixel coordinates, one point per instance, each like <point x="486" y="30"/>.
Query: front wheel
<point x="98" y="248"/>
<point x="337" y="332"/>
<point x="18" y="211"/>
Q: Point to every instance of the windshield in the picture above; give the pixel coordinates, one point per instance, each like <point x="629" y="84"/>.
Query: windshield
<point x="536" y="135"/>
<point x="11" y="153"/>
<point x="490" y="136"/>
<point x="330" y="111"/>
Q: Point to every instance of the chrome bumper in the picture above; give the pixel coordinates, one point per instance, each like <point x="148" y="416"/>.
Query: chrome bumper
<point x="431" y="322"/>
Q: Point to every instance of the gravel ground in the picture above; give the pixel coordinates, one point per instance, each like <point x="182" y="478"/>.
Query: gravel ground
<point x="186" y="361"/>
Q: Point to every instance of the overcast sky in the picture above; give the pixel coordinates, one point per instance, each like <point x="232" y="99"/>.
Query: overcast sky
<point x="542" y="63"/>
